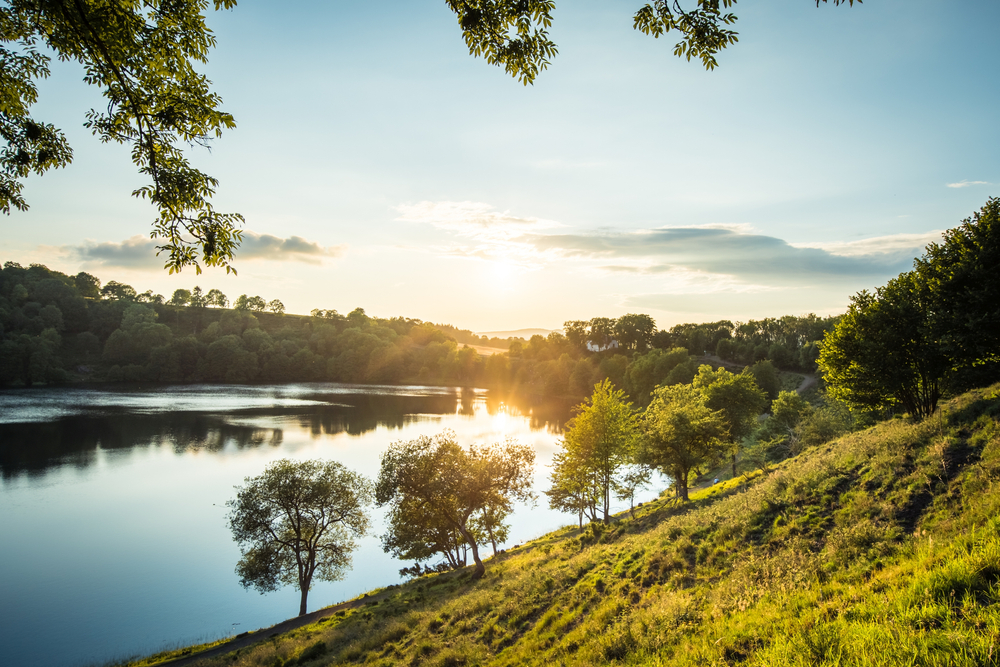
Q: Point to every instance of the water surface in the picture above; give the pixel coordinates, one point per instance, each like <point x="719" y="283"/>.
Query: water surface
<point x="113" y="539"/>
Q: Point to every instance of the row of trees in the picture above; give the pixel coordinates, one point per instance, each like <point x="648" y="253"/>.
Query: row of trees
<point x="929" y="331"/>
<point x="89" y="286"/>
<point x="298" y="522"/>
<point x="58" y="328"/>
<point x="610" y="448"/>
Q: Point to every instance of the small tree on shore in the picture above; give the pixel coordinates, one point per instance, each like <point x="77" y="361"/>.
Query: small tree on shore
<point x="296" y="523"/>
<point x="599" y="445"/>
<point x="681" y="433"/>
<point x="463" y="489"/>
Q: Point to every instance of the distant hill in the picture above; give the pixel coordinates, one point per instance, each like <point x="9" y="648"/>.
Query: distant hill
<point x="517" y="333"/>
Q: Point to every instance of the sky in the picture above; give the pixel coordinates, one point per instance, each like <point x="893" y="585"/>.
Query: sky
<point x="379" y="165"/>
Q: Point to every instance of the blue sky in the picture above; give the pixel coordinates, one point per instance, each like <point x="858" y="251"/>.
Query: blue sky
<point x="379" y="165"/>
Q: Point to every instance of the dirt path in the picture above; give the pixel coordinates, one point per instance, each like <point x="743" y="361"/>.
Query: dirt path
<point x="249" y="638"/>
<point x="808" y="382"/>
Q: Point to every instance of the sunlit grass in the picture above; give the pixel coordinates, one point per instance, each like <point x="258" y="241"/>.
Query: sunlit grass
<point x="881" y="548"/>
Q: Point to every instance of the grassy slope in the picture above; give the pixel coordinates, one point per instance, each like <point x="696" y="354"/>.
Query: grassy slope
<point x="882" y="548"/>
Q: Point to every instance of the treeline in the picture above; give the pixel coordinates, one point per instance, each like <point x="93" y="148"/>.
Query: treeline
<point x="56" y="328"/>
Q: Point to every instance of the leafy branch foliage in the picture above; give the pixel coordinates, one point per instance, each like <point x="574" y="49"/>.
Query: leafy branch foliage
<point x="142" y="55"/>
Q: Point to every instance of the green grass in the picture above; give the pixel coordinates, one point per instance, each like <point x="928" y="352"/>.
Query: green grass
<point x="880" y="548"/>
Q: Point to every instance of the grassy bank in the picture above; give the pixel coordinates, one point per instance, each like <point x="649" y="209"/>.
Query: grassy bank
<point x="881" y="548"/>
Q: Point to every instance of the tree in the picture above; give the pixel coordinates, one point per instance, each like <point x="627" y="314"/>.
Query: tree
<point x="884" y="352"/>
<point x="787" y="411"/>
<point x="198" y="299"/>
<point x="448" y="486"/>
<point x="180" y="297"/>
<point x="514" y="34"/>
<point x="635" y="332"/>
<point x="576" y="333"/>
<point x="635" y="477"/>
<point x="216" y="298"/>
<point x="297" y="522"/>
<point x="600" y="442"/>
<point x="250" y="303"/>
<point x="88" y="285"/>
<point x="573" y="487"/>
<point x="276" y="307"/>
<point x="681" y="433"/>
<point x="962" y="278"/>
<point x="117" y="291"/>
<point x="142" y="55"/>
<point x="650" y="369"/>
<point x="736" y="397"/>
<point x="766" y="376"/>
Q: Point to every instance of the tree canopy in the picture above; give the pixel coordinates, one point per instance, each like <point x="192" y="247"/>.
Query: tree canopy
<point x="681" y="433"/>
<point x="447" y="489"/>
<point x="599" y="448"/>
<point x="296" y="522"/>
<point x="737" y="397"/>
<point x="927" y="330"/>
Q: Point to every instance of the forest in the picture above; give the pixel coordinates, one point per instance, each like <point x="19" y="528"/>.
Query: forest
<point x="57" y="329"/>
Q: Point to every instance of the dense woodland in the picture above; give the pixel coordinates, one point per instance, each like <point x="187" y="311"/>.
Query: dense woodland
<point x="56" y="328"/>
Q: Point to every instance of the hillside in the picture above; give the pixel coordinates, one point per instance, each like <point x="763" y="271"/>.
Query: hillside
<point x="880" y="548"/>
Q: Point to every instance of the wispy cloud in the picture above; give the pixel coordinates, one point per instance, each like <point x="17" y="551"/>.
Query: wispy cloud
<point x="472" y="219"/>
<point x="907" y="246"/>
<point x="139" y="252"/>
<point x="746" y="257"/>
<point x="486" y="234"/>
<point x="680" y="260"/>
<point x="966" y="184"/>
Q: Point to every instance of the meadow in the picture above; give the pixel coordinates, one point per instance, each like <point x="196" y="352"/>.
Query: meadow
<point x="879" y="548"/>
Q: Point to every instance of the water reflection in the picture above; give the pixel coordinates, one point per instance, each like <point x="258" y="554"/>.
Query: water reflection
<point x="145" y="521"/>
<point x="93" y="421"/>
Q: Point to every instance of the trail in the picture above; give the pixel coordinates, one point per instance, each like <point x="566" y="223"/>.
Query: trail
<point x="808" y="382"/>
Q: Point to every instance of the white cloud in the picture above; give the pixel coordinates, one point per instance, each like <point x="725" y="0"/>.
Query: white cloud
<point x="965" y="184"/>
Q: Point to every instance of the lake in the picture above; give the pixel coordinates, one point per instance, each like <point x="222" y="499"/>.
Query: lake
<point x="113" y="537"/>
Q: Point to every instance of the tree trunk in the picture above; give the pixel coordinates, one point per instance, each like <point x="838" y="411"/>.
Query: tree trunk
<point x="607" y="502"/>
<point x="734" y="465"/>
<point x="302" y="600"/>
<point x="493" y="540"/>
<point x="480" y="568"/>
<point x="682" y="486"/>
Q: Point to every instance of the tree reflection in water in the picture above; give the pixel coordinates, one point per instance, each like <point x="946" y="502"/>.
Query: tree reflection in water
<point x="33" y="448"/>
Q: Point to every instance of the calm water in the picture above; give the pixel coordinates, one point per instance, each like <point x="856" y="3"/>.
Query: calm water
<point x="113" y="540"/>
